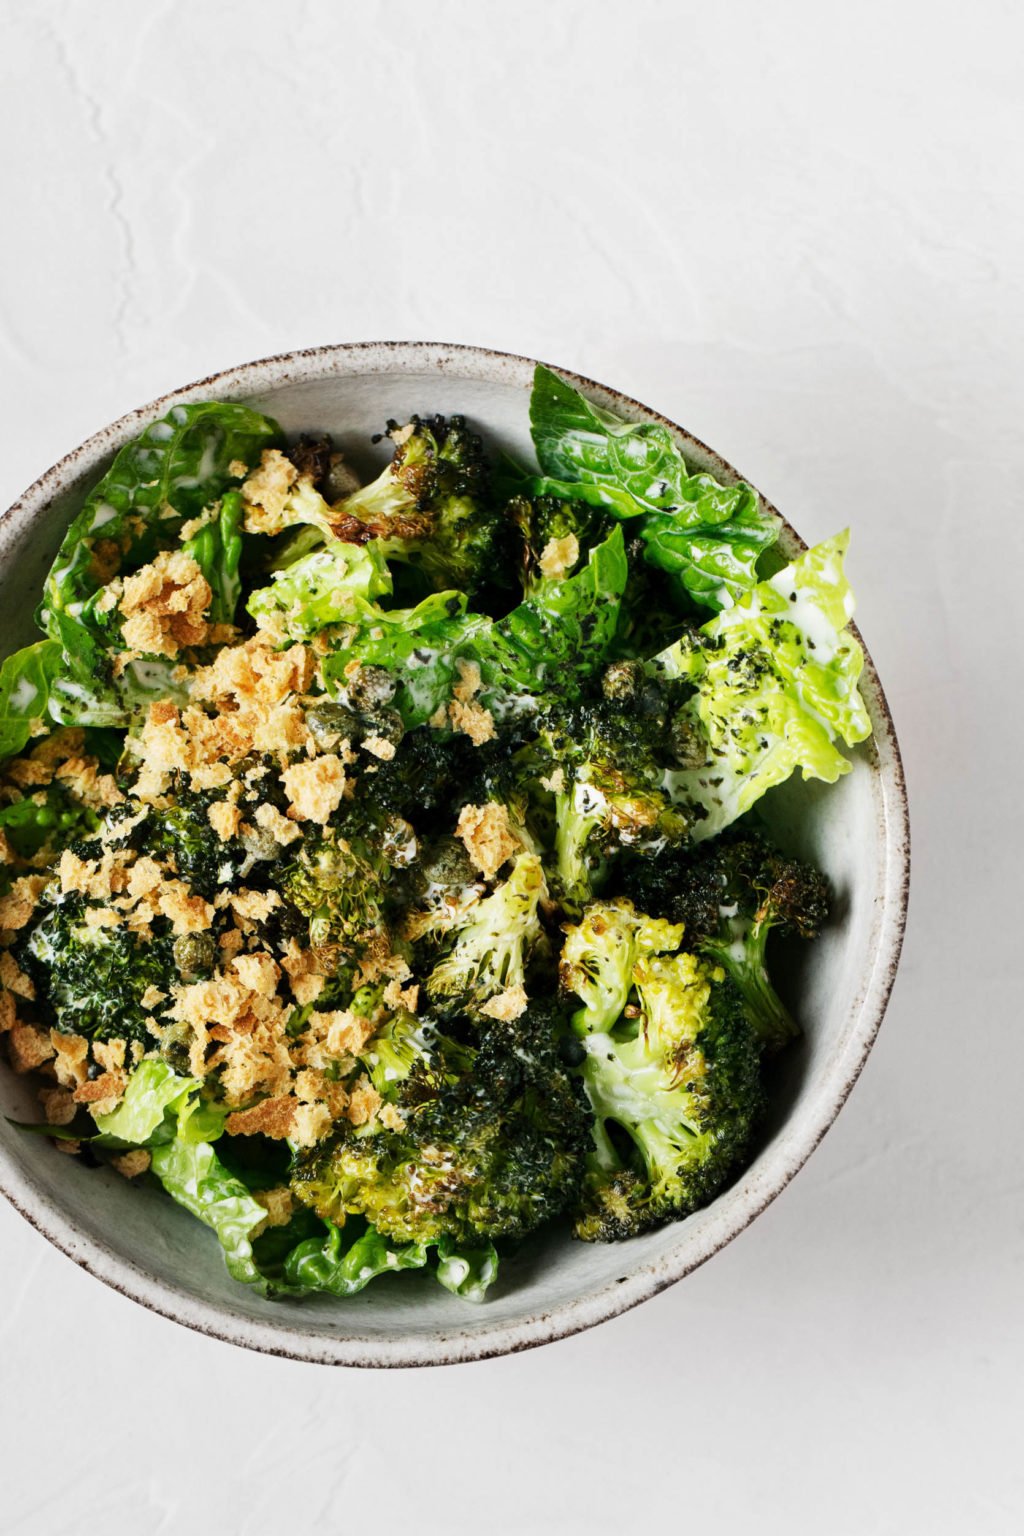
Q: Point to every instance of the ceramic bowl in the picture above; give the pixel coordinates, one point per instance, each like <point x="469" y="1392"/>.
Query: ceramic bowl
<point x="139" y="1242"/>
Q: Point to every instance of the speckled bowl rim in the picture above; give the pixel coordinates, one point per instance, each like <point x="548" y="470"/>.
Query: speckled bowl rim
<point x="779" y="1164"/>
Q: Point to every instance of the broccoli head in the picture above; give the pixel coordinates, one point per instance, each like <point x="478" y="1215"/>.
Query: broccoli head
<point x="494" y="939"/>
<point x="555" y="536"/>
<point x="338" y="885"/>
<point x="673" y="1081"/>
<point x="605" y="762"/>
<point x="731" y="894"/>
<point x="430" y="507"/>
<point x="483" y="1141"/>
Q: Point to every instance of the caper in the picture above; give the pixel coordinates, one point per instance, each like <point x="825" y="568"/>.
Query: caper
<point x="194" y="954"/>
<point x="387" y="725"/>
<point x="331" y="723"/>
<point x="446" y="862"/>
<point x="370" y="687"/>
<point x="622" y="680"/>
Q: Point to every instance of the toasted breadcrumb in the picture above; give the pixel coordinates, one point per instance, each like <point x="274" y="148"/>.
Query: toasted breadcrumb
<point x="29" y="1047"/>
<point x="71" y="1058"/>
<point x="280" y="828"/>
<point x="266" y="491"/>
<point x="224" y="818"/>
<point x="559" y="556"/>
<point x="279" y="1203"/>
<point x="474" y="721"/>
<point x="364" y="1102"/>
<point x="14" y="979"/>
<point x="273" y="1117"/>
<point x="378" y="746"/>
<point x="506" y="1005"/>
<point x="164" y="605"/>
<point x="130" y="1164"/>
<point x="58" y="1105"/>
<point x="315" y="788"/>
<point x="488" y="838"/>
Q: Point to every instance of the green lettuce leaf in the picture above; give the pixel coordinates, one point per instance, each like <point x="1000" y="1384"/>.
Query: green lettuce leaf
<point x="548" y="645"/>
<point x="217" y="550"/>
<point x="707" y="536"/>
<point x="466" y="1272"/>
<point x="342" y="1264"/>
<point x="194" y="1176"/>
<point x="26" y="679"/>
<point x="776" y="688"/>
<point x="328" y="586"/>
<point x="176" y="469"/>
<point x="153" y="1089"/>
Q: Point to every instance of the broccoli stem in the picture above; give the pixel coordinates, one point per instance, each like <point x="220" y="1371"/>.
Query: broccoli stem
<point x="742" y="955"/>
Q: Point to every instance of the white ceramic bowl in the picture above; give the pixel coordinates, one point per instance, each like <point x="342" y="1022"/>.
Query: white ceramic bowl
<point x="146" y="1247"/>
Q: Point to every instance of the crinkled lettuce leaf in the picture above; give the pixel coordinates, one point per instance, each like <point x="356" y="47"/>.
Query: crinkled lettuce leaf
<point x="775" y="681"/>
<point x="153" y="1090"/>
<point x="707" y="536"/>
<point x="548" y="645"/>
<point x="26" y="680"/>
<point x="194" y="1176"/>
<point x="466" y="1272"/>
<point x="328" y="586"/>
<point x="176" y="469"/>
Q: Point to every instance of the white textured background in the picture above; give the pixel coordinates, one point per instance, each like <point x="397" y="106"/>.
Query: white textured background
<point x="796" y="228"/>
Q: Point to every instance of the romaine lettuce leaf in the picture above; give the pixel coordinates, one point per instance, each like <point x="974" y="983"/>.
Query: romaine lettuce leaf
<point x="547" y="645"/>
<point x="342" y="1261"/>
<point x="217" y="550"/>
<point x="154" y="1089"/>
<point x="706" y="535"/>
<point x="26" y="680"/>
<point x="776" y="688"/>
<point x="466" y="1272"/>
<point x="194" y="1176"/>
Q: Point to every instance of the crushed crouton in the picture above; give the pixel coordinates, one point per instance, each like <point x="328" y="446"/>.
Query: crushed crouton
<point x="488" y="838"/>
<point x="364" y="1102"/>
<point x="379" y="747"/>
<point x="315" y="788"/>
<point x="468" y="685"/>
<point x="266" y="492"/>
<point x="13" y="978"/>
<point x="130" y="1164"/>
<point x="152" y="997"/>
<point x="341" y="1032"/>
<point x="164" y="605"/>
<point x="279" y="1203"/>
<point x="555" y="782"/>
<point x="224" y="818"/>
<point x="391" y="1118"/>
<point x="474" y="721"/>
<point x="558" y="556"/>
<point x="395" y="996"/>
<point x="506" y="1005"/>
<point x="29" y="1047"/>
<point x="280" y="828"/>
<point x="70" y="1060"/>
<point x="188" y="913"/>
<point x="8" y="1011"/>
<point x="301" y="967"/>
<point x="69" y="1148"/>
<point x="102" y="1093"/>
<point x="251" y="907"/>
<point x="110" y="1054"/>
<point x="58" y="1105"/>
<point x="101" y="917"/>
<point x="259" y="972"/>
<point x="272" y="1117"/>
<point x="17" y="907"/>
<point x="312" y="1123"/>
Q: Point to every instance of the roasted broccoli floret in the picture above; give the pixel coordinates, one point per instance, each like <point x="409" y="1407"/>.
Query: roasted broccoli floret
<point x="731" y="894"/>
<point x="487" y="1140"/>
<point x="673" y="1080"/>
<point x="494" y="939"/>
<point x="604" y="760"/>
<point x="430" y="507"/>
<point x="338" y="884"/>
<point x="555" y="536"/>
<point x="91" y="981"/>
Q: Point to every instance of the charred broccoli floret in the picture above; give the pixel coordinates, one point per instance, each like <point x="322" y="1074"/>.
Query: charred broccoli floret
<point x="555" y="535"/>
<point x="731" y="894"/>
<point x="338" y="885"/>
<point x="430" y="507"/>
<point x="494" y="939"/>
<point x="673" y="1080"/>
<point x="605" y="761"/>
<point x="484" y="1141"/>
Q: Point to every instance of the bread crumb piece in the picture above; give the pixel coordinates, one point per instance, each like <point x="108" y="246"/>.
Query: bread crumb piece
<point x="224" y="818"/>
<point x="475" y="721"/>
<point x="58" y="1105"/>
<point x="266" y="492"/>
<point x="315" y="788"/>
<point x="29" y="1047"/>
<point x="507" y="1005"/>
<point x="130" y="1164"/>
<point x="391" y="1118"/>
<point x="488" y="838"/>
<point x="364" y="1102"/>
<point x="278" y="1204"/>
<point x="555" y="782"/>
<point x="14" y="979"/>
<point x="102" y="1091"/>
<point x="379" y="747"/>
<point x="559" y="556"/>
<point x="164" y="605"/>
<point x="273" y="1117"/>
<point x="259" y="972"/>
<point x="70" y="1060"/>
<point x="280" y="828"/>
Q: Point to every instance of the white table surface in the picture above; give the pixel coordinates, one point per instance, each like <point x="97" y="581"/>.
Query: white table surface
<point x="797" y="229"/>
